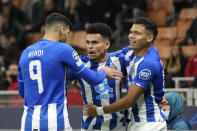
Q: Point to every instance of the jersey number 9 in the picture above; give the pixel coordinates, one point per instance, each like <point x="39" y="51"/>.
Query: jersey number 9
<point x="38" y="75"/>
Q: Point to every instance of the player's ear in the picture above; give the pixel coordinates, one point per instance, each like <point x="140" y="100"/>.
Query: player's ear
<point x="107" y="44"/>
<point x="150" y="38"/>
<point x="61" y="30"/>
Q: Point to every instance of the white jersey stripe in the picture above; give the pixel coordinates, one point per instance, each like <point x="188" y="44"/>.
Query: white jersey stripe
<point x="36" y="117"/>
<point x="66" y="120"/>
<point x="116" y="59"/>
<point x="88" y="89"/>
<point x="128" y="54"/>
<point x="23" y="118"/>
<point x="52" y="117"/>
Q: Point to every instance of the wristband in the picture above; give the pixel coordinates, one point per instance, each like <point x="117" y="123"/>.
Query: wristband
<point x="99" y="111"/>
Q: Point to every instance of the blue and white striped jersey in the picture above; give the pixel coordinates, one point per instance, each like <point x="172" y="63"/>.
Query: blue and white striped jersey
<point x="146" y="72"/>
<point x="102" y="94"/>
<point x="41" y="77"/>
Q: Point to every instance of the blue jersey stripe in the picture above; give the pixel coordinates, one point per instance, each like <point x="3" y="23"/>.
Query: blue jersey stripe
<point x="60" y="116"/>
<point x="98" y="123"/>
<point x="28" y="121"/>
<point x="135" y="113"/>
<point x="162" y="115"/>
<point x="149" y="105"/>
<point x="44" y="118"/>
<point x="113" y="121"/>
<point x="87" y="122"/>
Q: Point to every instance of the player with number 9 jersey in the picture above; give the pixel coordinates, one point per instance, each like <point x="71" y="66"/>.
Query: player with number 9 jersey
<point x="42" y="78"/>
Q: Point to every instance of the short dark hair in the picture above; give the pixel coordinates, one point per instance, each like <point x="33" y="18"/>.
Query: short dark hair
<point x="56" y="18"/>
<point x="100" y="28"/>
<point x="148" y="25"/>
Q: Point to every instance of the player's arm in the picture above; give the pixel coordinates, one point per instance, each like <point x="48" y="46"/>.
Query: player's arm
<point x="136" y="88"/>
<point x="72" y="59"/>
<point x="126" y="102"/>
<point x="124" y="50"/>
<point x="94" y="78"/>
<point x="20" y="82"/>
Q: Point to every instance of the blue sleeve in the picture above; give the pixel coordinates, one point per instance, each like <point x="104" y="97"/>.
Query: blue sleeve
<point x="146" y="71"/>
<point x="71" y="58"/>
<point x="124" y="50"/>
<point x="70" y="75"/>
<point x="92" y="77"/>
<point x="20" y="81"/>
<point x="123" y="64"/>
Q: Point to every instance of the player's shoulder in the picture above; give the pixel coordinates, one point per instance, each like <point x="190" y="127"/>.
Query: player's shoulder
<point x="85" y="58"/>
<point x="64" y="46"/>
<point x="148" y="63"/>
<point x="152" y="56"/>
<point x="116" y="54"/>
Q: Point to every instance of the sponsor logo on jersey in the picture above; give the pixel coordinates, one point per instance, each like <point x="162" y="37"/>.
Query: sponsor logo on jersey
<point x="103" y="88"/>
<point x="145" y="74"/>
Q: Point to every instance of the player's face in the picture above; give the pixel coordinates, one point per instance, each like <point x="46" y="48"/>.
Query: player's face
<point x="139" y="37"/>
<point x="64" y="32"/>
<point x="97" y="47"/>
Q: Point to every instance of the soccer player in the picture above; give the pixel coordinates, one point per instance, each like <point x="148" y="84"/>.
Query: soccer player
<point x="146" y="79"/>
<point x="108" y="91"/>
<point x="41" y="77"/>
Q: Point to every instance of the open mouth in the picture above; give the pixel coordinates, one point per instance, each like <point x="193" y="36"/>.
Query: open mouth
<point x="90" y="52"/>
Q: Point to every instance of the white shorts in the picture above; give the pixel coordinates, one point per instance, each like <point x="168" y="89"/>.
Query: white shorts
<point x="147" y="126"/>
<point x="103" y="128"/>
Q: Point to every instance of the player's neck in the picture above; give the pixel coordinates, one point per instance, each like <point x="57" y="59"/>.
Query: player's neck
<point x="142" y="51"/>
<point x="53" y="36"/>
<point x="101" y="60"/>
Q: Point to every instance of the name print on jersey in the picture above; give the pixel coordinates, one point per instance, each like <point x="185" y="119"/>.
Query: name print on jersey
<point x="35" y="53"/>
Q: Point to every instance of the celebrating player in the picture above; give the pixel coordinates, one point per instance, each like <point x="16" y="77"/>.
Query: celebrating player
<point x="108" y="91"/>
<point x="146" y="79"/>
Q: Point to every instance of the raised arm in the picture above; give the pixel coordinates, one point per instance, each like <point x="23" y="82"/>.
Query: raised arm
<point x="72" y="59"/>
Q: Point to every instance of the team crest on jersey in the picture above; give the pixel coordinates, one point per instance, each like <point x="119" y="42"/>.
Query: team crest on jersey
<point x="75" y="55"/>
<point x="145" y="74"/>
<point x="113" y="66"/>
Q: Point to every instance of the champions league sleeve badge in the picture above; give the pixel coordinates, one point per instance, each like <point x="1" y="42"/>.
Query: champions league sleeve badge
<point x="75" y="55"/>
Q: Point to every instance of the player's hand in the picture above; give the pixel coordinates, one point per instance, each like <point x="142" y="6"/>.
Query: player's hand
<point x="90" y="110"/>
<point x="112" y="73"/>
